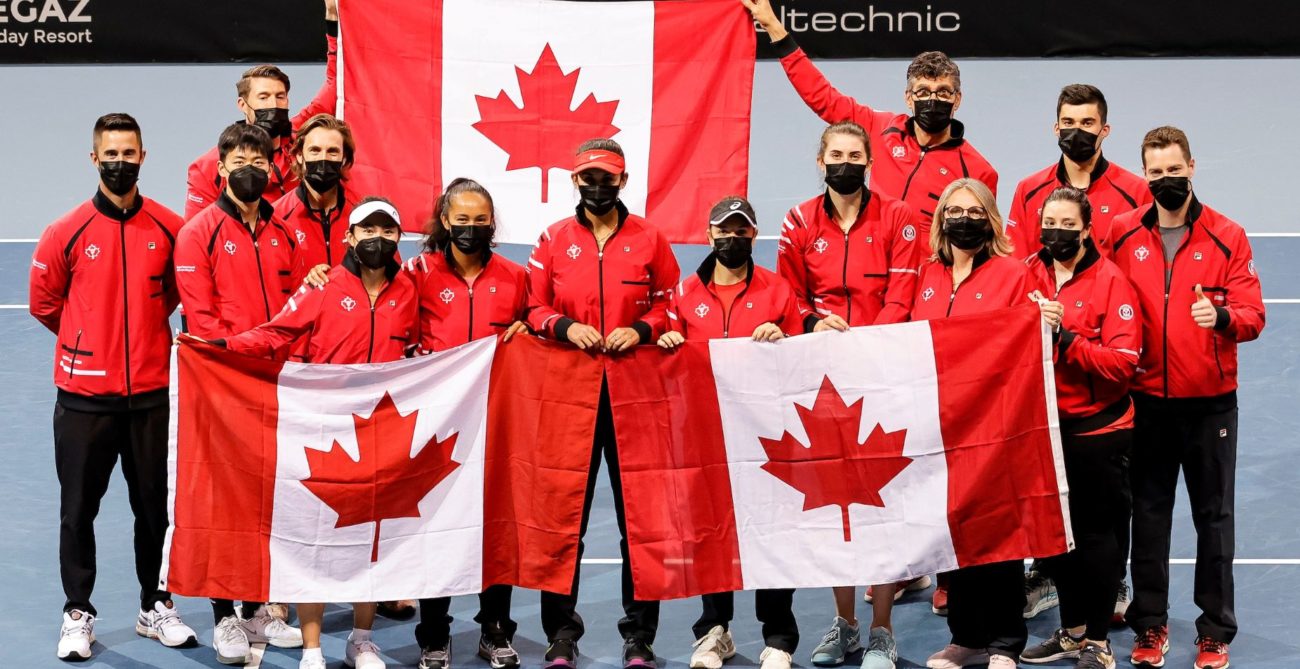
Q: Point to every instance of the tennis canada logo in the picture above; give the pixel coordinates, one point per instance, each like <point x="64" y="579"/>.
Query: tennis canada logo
<point x="229" y="247"/>
<point x="574" y="251"/>
<point x="820" y="245"/>
<point x="302" y="236"/>
<point x="898" y="152"/>
<point x="927" y="294"/>
<point x="1141" y="253"/>
<point x="702" y="310"/>
<point x="446" y="296"/>
<point x="92" y="251"/>
<point x="348" y="304"/>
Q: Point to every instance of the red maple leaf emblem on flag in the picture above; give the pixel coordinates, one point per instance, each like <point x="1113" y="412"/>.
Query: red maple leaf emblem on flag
<point x="384" y="481"/>
<point x="544" y="132"/>
<point x="835" y="469"/>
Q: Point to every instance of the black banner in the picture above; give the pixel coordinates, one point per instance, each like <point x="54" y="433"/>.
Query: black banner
<point x="206" y="31"/>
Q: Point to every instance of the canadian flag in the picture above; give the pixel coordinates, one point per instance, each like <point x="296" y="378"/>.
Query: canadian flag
<point x="504" y="92"/>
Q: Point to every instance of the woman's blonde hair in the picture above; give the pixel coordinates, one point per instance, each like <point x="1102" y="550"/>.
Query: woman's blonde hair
<point x="999" y="246"/>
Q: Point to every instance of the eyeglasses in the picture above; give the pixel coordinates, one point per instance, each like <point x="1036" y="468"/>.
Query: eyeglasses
<point x="943" y="94"/>
<point x="978" y="213"/>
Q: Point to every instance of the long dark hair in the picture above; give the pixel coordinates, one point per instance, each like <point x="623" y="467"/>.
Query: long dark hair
<point x="437" y="237"/>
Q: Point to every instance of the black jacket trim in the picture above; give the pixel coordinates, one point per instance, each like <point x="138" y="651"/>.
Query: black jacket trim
<point x="106" y="207"/>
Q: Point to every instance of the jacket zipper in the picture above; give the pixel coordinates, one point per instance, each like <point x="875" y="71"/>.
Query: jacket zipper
<point x="726" y="313"/>
<point x="257" y="255"/>
<point x="370" y="352"/>
<point x="126" y="324"/>
<point x="844" y="281"/>
<point x="469" y="336"/>
<point x="600" y="272"/>
<point x="1169" y="280"/>
<point x="908" y="184"/>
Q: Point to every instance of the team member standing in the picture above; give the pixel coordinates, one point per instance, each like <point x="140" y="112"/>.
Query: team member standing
<point x="339" y="334"/>
<point x="1097" y="334"/>
<point x="851" y="256"/>
<point x="1081" y="128"/>
<point x="915" y="156"/>
<point x="102" y="282"/>
<point x="264" y="101"/>
<point x="236" y="264"/>
<point x="730" y="296"/>
<point x="317" y="210"/>
<point x="1195" y="277"/>
<point x="466" y="292"/>
<point x="972" y="273"/>
<point x="600" y="281"/>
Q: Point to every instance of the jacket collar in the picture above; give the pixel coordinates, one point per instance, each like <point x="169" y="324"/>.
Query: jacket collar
<point x="581" y="215"/>
<point x="1151" y="216"/>
<point x="1091" y="256"/>
<point x="264" y="208"/>
<point x="705" y="271"/>
<point x="353" y="265"/>
<point x="956" y="137"/>
<point x="318" y="214"/>
<point x="1098" y="171"/>
<point x="106" y="207"/>
<point x="451" y="261"/>
<point x="829" y="207"/>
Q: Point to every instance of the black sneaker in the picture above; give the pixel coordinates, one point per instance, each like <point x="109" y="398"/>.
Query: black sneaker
<point x="1059" y="647"/>
<point x="1095" y="657"/>
<point x="638" y="655"/>
<point x="561" y="654"/>
<point x="496" y="649"/>
<point x="435" y="658"/>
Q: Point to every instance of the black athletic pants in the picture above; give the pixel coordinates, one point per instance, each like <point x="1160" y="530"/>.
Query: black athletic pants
<point x="434" y="630"/>
<point x="773" y="608"/>
<point x="986" y="606"/>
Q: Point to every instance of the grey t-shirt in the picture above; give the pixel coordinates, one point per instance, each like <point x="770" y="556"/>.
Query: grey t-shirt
<point x="1172" y="239"/>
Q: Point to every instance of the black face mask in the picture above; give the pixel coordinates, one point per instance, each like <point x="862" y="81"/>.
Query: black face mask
<point x="967" y="233"/>
<point x="933" y="115"/>
<point x="1061" y="244"/>
<point x="1077" y="144"/>
<point x="248" y="183"/>
<point x="471" y="239"/>
<point x="275" y="121"/>
<point x="1170" y="192"/>
<point x="846" y="178"/>
<point x="375" y="252"/>
<point x="733" y="252"/>
<point x="119" y="176"/>
<point x="598" y="199"/>
<point x="322" y="175"/>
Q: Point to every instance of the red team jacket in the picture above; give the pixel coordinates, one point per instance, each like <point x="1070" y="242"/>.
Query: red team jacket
<point x="323" y="237"/>
<point x="901" y="167"/>
<point x="570" y="279"/>
<point x="203" y="183"/>
<point x="455" y="312"/>
<point x="866" y="276"/>
<point x="102" y="281"/>
<point x="695" y="310"/>
<point x="230" y="278"/>
<point x="337" y="323"/>
<point x="1101" y="334"/>
<point x="1112" y="191"/>
<point x="995" y="283"/>
<point x="1180" y="359"/>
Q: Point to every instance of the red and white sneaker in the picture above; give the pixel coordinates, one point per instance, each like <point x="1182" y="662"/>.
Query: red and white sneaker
<point x="939" y="600"/>
<point x="1211" y="654"/>
<point x="1149" y="647"/>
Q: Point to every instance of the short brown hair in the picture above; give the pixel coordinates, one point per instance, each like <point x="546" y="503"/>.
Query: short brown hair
<point x="934" y="65"/>
<point x="845" y="128"/>
<point x="260" y="72"/>
<point x="1070" y="194"/>
<point x="1000" y="246"/>
<point x="1082" y="94"/>
<point x="327" y="122"/>
<point x="1165" y="135"/>
<point x="117" y="121"/>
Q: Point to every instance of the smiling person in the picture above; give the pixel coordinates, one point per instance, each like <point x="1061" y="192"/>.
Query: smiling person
<point x="600" y="280"/>
<point x="914" y="155"/>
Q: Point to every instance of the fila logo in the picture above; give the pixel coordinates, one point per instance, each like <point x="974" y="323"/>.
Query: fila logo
<point x="1105" y="209"/>
<point x="1223" y="433"/>
<point x="1126" y="312"/>
<point x="943" y="171"/>
<point x="1196" y="256"/>
<point x="749" y="305"/>
<point x="492" y="289"/>
<point x="1079" y="305"/>
<point x="153" y="245"/>
<point x="868" y="240"/>
<point x="702" y="310"/>
<point x="909" y="232"/>
<point x="229" y="247"/>
<point x="302" y="236"/>
<point x="1141" y="253"/>
<point x="446" y="295"/>
<point x="979" y="296"/>
<point x="573" y="252"/>
<point x="348" y="303"/>
<point x="392" y="303"/>
<point x="92" y="251"/>
<point x="627" y="249"/>
<point x="898" y="152"/>
<point x="820" y="245"/>
<point x="275" y="242"/>
<point x="929" y="293"/>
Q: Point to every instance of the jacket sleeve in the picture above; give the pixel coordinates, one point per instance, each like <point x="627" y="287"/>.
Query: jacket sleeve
<point x="274" y="338"/>
<point x="990" y="179"/>
<point x="1243" y="318"/>
<point x="675" y="322"/>
<point x="520" y="312"/>
<point x="326" y="100"/>
<point x="903" y="262"/>
<point x="790" y="265"/>
<point x="664" y="275"/>
<point x="197" y="288"/>
<point x="1115" y="356"/>
<point x="791" y="319"/>
<point x="828" y="103"/>
<point x="47" y="284"/>
<point x="201" y="187"/>
<point x="1025" y="229"/>
<point x="542" y="315"/>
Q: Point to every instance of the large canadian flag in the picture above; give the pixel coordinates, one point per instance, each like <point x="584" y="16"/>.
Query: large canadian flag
<point x="504" y="92"/>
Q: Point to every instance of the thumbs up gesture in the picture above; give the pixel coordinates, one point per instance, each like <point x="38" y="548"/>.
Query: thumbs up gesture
<point x="1203" y="311"/>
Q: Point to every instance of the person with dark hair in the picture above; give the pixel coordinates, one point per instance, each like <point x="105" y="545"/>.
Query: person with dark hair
<point x="600" y="281"/>
<point x="466" y="292"/>
<point x="1096" y="332"/>
<point x="263" y="99"/>
<point x="914" y="155"/>
<point x="1081" y="128"/>
<point x="101" y="280"/>
<point x="323" y="152"/>
<point x="851" y="255"/>
<point x="236" y="265"/>
<point x="1194" y="273"/>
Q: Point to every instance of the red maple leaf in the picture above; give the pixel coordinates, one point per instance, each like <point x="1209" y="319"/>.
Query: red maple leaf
<point x="544" y="132"/>
<point x="834" y="469"/>
<point x="384" y="482"/>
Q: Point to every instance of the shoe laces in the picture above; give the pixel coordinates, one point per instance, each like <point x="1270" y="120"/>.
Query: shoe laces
<point x="77" y="626"/>
<point x="1034" y="581"/>
<point x="1208" y="645"/>
<point x="833" y="636"/>
<point x="168" y="617"/>
<point x="365" y="646"/>
<point x="434" y="654"/>
<point x="229" y="630"/>
<point x="500" y="647"/>
<point x="1148" y="639"/>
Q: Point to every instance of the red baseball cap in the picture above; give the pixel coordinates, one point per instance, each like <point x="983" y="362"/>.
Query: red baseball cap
<point x="601" y="160"/>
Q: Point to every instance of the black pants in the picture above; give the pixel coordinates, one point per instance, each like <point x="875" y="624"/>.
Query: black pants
<point x="773" y="608"/>
<point x="986" y="606"/>
<point x="1087" y="579"/>
<point x="560" y="619"/>
<point x="221" y="608"/>
<point x="434" y="630"/>
<point x="86" y="448"/>
<point x="1199" y="437"/>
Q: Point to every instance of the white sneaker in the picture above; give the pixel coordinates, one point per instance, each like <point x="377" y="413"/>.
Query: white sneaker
<point x="265" y="628"/>
<point x="362" y="655"/>
<point x="315" y="662"/>
<point x="76" y="636"/>
<point x="230" y="641"/>
<point x="1002" y="662"/>
<point x="712" y="649"/>
<point x="278" y="611"/>
<point x="772" y="658"/>
<point x="164" y="624"/>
